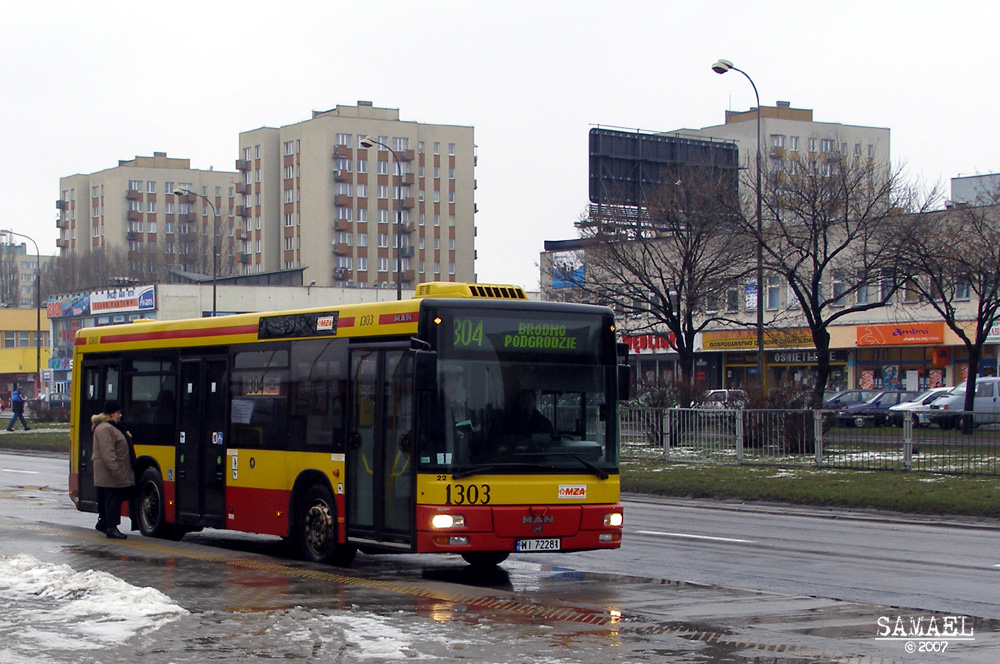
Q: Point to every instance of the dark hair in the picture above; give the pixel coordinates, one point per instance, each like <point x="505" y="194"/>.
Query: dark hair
<point x="111" y="407"/>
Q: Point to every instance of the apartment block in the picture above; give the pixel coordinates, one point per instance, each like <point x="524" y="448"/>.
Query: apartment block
<point x="790" y="139"/>
<point x="132" y="206"/>
<point x="359" y="198"/>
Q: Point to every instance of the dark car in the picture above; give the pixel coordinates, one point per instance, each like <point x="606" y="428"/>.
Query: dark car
<point x="846" y="398"/>
<point x="875" y="411"/>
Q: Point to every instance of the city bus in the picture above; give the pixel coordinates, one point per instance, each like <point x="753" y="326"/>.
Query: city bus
<point x="467" y="420"/>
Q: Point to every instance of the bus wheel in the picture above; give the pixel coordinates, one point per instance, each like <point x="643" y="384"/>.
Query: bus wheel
<point x="316" y="529"/>
<point x="152" y="519"/>
<point x="485" y="559"/>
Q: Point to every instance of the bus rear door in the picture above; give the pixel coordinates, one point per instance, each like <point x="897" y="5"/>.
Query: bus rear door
<point x="101" y="381"/>
<point x="200" y="445"/>
<point x="380" y="476"/>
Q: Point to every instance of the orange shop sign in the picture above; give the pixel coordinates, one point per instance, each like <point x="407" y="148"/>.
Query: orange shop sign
<point x="901" y="334"/>
<point x="638" y="343"/>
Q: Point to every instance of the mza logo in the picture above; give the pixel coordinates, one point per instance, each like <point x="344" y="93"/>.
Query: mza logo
<point x="572" y="491"/>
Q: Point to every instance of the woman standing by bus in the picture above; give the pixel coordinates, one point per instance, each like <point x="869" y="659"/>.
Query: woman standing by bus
<point x="113" y="473"/>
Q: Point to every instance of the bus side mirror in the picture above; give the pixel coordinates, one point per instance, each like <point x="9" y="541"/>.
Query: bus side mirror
<point x="425" y="370"/>
<point x="624" y="382"/>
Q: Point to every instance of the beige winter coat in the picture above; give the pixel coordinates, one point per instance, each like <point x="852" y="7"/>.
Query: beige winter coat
<point x="111" y="458"/>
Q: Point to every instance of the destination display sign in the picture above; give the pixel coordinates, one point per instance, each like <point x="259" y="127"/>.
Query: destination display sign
<point x="475" y="331"/>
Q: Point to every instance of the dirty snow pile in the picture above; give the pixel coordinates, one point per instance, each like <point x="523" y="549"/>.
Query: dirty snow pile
<point x="48" y="607"/>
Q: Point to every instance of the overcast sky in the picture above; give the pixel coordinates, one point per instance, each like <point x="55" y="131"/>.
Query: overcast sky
<point x="84" y="84"/>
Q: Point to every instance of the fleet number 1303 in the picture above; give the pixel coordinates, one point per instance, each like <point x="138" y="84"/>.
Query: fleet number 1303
<point x="467" y="494"/>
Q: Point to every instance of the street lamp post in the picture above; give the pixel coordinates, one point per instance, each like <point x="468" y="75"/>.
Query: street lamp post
<point x="215" y="240"/>
<point x="38" y="310"/>
<point x="721" y="67"/>
<point x="368" y="142"/>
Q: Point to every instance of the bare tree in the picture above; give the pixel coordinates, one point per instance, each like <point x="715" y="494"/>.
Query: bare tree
<point x="830" y="231"/>
<point x="666" y="265"/>
<point x="952" y="261"/>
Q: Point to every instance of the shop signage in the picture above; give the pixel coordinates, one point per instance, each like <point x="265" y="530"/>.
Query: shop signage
<point x="796" y="337"/>
<point x="648" y="343"/>
<point x="900" y="334"/>
<point x="994" y="336"/>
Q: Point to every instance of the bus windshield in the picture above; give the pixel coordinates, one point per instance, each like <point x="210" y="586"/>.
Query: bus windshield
<point x="490" y="417"/>
<point x="520" y="390"/>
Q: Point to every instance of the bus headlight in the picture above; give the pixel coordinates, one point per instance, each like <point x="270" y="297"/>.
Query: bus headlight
<point x="442" y="521"/>
<point x="613" y="520"/>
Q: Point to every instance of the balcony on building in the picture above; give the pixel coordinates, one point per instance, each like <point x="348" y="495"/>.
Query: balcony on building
<point x="408" y="179"/>
<point x="62" y="205"/>
<point x="244" y="258"/>
<point x="62" y="222"/>
<point x="242" y="188"/>
<point x="242" y="165"/>
<point x="341" y="248"/>
<point x="405" y="155"/>
<point x="134" y="215"/>
<point x="133" y="195"/>
<point x="408" y="203"/>
<point x="341" y="152"/>
<point x="341" y="175"/>
<point x="343" y="200"/>
<point x="342" y="225"/>
<point x="408" y="276"/>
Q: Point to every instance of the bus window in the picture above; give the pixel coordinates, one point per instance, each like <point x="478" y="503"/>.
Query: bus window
<point x="318" y="392"/>
<point x="259" y="410"/>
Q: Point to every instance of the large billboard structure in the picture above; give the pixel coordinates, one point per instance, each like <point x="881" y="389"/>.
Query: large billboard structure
<point x="626" y="167"/>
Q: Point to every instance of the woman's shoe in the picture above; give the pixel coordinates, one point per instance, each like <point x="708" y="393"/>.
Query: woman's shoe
<point x="114" y="533"/>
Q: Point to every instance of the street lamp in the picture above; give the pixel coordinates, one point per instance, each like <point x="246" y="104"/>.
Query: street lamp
<point x="368" y="142"/>
<point x="215" y="239"/>
<point x="38" y="310"/>
<point x="721" y="67"/>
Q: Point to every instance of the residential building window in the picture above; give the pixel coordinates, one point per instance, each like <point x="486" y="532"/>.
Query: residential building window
<point x="732" y="300"/>
<point x="362" y="191"/>
<point x="383" y="216"/>
<point x="344" y="165"/>
<point x="344" y="213"/>
<point x="437" y="148"/>
<point x="289" y="172"/>
<point x="451" y="196"/>
<point x="839" y="289"/>
<point x="451" y="173"/>
<point x="362" y="165"/>
<point x="382" y="167"/>
<point x="151" y="207"/>
<point x="451" y="268"/>
<point x="383" y="241"/>
<point x="383" y="191"/>
<point x="363" y="240"/>
<point x="962" y="291"/>
<point x="826" y="145"/>
<point x="289" y="195"/>
<point x="383" y="264"/>
<point x="289" y="220"/>
<point x="343" y="139"/>
<point x="777" y="140"/>
<point x="345" y="238"/>
<point x="437" y="220"/>
<point x="247" y="155"/>
<point x="400" y="144"/>
<point x="812" y="145"/>
<point x="363" y="263"/>
<point x="451" y="149"/>
<point x="289" y="148"/>
<point x="437" y="172"/>
<point x="150" y="187"/>
<point x="793" y="142"/>
<point x="362" y="214"/>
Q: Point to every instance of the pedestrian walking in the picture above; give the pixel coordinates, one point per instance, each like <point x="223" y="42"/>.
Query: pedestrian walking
<point x="17" y="405"/>
<point x="114" y="476"/>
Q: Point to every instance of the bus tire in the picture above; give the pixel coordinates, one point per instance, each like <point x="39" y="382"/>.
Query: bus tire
<point x="316" y="529"/>
<point x="152" y="506"/>
<point x="485" y="559"/>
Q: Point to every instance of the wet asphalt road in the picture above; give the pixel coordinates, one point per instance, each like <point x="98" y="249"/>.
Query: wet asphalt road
<point x="247" y="601"/>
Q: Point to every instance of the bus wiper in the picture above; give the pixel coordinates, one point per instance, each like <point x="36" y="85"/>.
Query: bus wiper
<point x="489" y="468"/>
<point x="597" y="470"/>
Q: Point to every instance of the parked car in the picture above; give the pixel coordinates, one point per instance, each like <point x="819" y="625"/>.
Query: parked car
<point x="875" y="411"/>
<point x="919" y="409"/>
<point x="722" y="399"/>
<point x="45" y="403"/>
<point x="946" y="412"/>
<point x="846" y="397"/>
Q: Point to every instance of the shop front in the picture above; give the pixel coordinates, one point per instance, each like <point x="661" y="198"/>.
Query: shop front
<point x="911" y="356"/>
<point x="789" y="357"/>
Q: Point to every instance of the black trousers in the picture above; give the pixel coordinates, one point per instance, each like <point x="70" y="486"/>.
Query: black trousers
<point x="109" y="504"/>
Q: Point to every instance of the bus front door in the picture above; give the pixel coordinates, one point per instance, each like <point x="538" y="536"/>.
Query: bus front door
<point x="200" y="483"/>
<point x="380" y="477"/>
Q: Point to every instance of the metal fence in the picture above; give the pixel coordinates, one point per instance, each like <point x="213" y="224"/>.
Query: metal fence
<point x="804" y="437"/>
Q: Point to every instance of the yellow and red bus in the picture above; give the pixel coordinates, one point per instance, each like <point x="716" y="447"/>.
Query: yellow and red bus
<point x="466" y="420"/>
